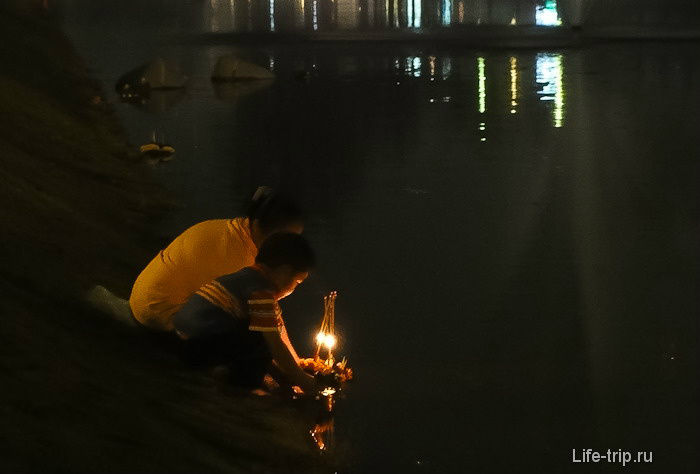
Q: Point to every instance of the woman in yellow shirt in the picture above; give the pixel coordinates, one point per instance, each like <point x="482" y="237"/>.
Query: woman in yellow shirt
<point x="206" y="251"/>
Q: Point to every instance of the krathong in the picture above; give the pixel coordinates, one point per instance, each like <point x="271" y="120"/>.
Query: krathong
<point x="323" y="364"/>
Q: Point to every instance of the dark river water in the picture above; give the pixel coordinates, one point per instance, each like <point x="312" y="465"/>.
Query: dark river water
<point x="513" y="233"/>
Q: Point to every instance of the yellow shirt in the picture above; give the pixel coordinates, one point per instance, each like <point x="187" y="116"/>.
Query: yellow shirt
<point x="203" y="252"/>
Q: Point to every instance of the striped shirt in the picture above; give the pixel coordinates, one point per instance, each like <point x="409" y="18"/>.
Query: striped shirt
<point x="241" y="303"/>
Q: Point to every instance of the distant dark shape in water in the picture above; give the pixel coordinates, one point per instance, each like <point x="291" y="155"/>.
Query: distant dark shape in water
<point x="229" y="68"/>
<point x="137" y="85"/>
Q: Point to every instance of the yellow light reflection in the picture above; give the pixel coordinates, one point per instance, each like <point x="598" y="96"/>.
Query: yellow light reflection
<point x="513" y="84"/>
<point x="396" y="13"/>
<point x="559" y="95"/>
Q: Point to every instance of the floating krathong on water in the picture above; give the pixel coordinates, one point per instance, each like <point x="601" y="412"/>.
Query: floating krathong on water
<point x="323" y="364"/>
<point x="330" y="374"/>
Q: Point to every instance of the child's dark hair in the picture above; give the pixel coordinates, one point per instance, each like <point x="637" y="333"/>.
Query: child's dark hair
<point x="287" y="248"/>
<point x="273" y="210"/>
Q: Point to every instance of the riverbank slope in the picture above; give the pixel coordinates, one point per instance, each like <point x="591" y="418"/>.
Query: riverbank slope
<point x="80" y="393"/>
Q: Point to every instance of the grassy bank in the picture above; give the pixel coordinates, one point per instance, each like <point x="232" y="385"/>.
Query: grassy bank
<point x="79" y="392"/>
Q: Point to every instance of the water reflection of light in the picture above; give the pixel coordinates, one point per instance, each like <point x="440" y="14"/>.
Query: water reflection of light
<point x="413" y="66"/>
<point x="322" y="434"/>
<point x="546" y="15"/>
<point x="272" y="63"/>
<point x="300" y="21"/>
<point x="414" y="13"/>
<point x="481" y="64"/>
<point x="272" y="15"/>
<point x="549" y="71"/>
<point x="314" y="15"/>
<point x="460" y="12"/>
<point x="327" y="391"/>
<point x="446" y="12"/>
<point x="431" y="66"/>
<point x="396" y="13"/>
<point x="513" y="84"/>
<point x="446" y="68"/>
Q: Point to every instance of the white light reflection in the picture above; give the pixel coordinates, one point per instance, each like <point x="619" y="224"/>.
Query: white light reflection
<point x="413" y="66"/>
<point x="446" y="68"/>
<point x="272" y="15"/>
<point x="546" y="15"/>
<point x="446" y="12"/>
<point x="414" y="13"/>
<point x="481" y="65"/>
<point x="549" y="71"/>
<point x="314" y="14"/>
<point x="513" y="84"/>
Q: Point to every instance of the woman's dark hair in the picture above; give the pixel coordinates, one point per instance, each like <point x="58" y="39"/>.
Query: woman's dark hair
<point x="273" y="210"/>
<point x="287" y="248"/>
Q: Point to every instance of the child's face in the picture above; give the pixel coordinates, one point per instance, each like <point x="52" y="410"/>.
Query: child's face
<point x="288" y="280"/>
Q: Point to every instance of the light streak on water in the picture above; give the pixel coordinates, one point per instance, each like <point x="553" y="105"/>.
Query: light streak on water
<point x="513" y="84"/>
<point x="446" y="12"/>
<point x="413" y="66"/>
<point x="414" y="13"/>
<point x="549" y="72"/>
<point x="396" y="13"/>
<point x="446" y="67"/>
<point x="481" y="64"/>
<point x="272" y="15"/>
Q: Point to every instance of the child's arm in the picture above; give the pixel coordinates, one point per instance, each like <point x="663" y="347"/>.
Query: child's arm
<point x="288" y="343"/>
<point x="287" y="359"/>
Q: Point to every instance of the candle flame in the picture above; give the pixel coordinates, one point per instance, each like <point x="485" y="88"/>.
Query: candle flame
<point x="329" y="341"/>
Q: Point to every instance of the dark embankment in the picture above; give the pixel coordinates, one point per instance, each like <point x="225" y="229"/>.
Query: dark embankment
<point x="79" y="393"/>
